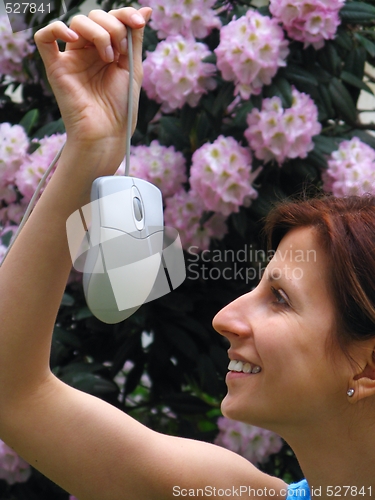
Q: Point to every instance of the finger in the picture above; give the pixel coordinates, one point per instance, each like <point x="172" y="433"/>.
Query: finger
<point x="91" y="33"/>
<point x="46" y="40"/>
<point x="115" y="28"/>
<point x="136" y="20"/>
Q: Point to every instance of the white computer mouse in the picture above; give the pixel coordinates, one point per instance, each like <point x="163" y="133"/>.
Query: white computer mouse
<point x="124" y="261"/>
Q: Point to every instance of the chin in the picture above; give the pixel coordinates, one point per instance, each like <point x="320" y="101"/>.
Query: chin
<point x="236" y="410"/>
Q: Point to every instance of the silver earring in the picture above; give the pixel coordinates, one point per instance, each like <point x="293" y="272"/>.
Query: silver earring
<point x="350" y="392"/>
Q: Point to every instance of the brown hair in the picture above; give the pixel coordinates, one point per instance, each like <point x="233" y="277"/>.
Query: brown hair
<point x="346" y="229"/>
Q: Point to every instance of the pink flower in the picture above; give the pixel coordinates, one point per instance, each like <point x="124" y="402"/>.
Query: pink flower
<point x="14" y="47"/>
<point x="351" y="169"/>
<point x="189" y="18"/>
<point x="308" y="21"/>
<point x="221" y="175"/>
<point x="184" y="212"/>
<point x="13" y="150"/>
<point x="275" y="133"/>
<point x="161" y="165"/>
<point x="251" y="50"/>
<point x="253" y="443"/>
<point x="12" y="467"/>
<point x="175" y="74"/>
<point x="36" y="164"/>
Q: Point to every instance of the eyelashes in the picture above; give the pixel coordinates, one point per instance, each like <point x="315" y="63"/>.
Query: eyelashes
<point x="281" y="296"/>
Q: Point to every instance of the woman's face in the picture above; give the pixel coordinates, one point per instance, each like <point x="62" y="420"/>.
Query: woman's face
<point x="282" y="328"/>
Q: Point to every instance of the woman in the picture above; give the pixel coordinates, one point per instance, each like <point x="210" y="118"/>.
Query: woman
<point x="288" y="330"/>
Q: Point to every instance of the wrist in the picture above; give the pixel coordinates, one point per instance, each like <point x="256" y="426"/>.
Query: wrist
<point x="80" y="163"/>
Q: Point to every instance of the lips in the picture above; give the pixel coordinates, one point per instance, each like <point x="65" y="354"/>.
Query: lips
<point x="243" y="366"/>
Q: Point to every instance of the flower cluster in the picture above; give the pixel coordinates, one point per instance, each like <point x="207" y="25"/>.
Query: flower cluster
<point x="351" y="170"/>
<point x="251" y="50"/>
<point x="175" y="74"/>
<point x="275" y="133"/>
<point x="163" y="166"/>
<point x="14" y="47"/>
<point x="221" y="174"/>
<point x="12" y="467"/>
<point x="13" y="149"/>
<point x="308" y="21"/>
<point x="185" y="211"/>
<point x="36" y="164"/>
<point x="185" y="17"/>
<point x="253" y="443"/>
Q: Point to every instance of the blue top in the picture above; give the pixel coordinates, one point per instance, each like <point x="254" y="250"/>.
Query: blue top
<point x="299" y="491"/>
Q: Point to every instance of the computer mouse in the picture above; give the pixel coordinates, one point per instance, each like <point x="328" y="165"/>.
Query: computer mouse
<point x="124" y="259"/>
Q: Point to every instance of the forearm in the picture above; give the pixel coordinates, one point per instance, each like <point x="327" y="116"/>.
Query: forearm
<point x="34" y="274"/>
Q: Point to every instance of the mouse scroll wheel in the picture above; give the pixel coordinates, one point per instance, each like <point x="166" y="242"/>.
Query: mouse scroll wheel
<point x="138" y="212"/>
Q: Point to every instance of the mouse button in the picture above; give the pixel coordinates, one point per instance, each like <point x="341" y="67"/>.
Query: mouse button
<point x="132" y="284"/>
<point x="155" y="242"/>
<point x="138" y="211"/>
<point x="122" y="249"/>
<point x="116" y="211"/>
<point x="153" y="206"/>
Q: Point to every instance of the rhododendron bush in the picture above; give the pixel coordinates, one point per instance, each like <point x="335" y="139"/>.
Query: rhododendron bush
<point x="244" y="103"/>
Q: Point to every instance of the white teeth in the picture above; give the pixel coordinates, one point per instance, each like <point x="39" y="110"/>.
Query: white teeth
<point x="241" y="366"/>
<point x="246" y="368"/>
<point x="232" y="364"/>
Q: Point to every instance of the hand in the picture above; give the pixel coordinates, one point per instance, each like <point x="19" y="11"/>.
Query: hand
<point x="90" y="78"/>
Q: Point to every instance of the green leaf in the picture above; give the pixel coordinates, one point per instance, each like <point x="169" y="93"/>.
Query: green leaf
<point x="357" y="13"/>
<point x="326" y="100"/>
<point x="363" y="136"/>
<point x="67" y="300"/>
<point x="224" y="97"/>
<point x="333" y="59"/>
<point x="182" y="341"/>
<point x="356" y="82"/>
<point x="342" y="101"/>
<point x="326" y="145"/>
<point x="56" y="127"/>
<point x="92" y="384"/>
<point x="83" y="313"/>
<point x="317" y="159"/>
<point x="355" y="62"/>
<point x="343" y="39"/>
<point x="29" y="120"/>
<point x="367" y="44"/>
<point x="240" y="119"/>
<point x="294" y="73"/>
<point x="280" y="87"/>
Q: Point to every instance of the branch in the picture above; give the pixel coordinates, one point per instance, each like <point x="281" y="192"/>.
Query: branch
<point x="364" y="126"/>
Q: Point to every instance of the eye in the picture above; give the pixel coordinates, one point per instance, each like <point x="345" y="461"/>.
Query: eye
<point x="281" y="296"/>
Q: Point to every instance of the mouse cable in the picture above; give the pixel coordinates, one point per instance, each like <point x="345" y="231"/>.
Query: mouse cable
<point x="42" y="181"/>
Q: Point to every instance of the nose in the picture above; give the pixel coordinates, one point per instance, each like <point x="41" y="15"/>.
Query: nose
<point x="233" y="320"/>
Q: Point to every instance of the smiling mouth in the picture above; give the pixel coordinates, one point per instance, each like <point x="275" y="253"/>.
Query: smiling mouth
<point x="244" y="367"/>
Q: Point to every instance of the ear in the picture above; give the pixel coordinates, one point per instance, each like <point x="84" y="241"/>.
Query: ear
<point x="363" y="382"/>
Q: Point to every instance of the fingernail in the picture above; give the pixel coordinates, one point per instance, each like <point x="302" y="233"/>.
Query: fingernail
<point x="138" y="19"/>
<point x="72" y="34"/>
<point x="109" y="54"/>
<point x="124" y="45"/>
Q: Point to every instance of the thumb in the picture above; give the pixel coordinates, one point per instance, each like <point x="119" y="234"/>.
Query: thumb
<point x="46" y="41"/>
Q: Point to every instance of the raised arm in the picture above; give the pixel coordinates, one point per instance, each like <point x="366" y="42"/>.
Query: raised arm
<point x="86" y="446"/>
